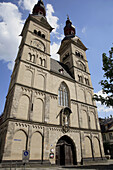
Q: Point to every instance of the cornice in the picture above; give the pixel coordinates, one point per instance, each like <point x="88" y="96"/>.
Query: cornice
<point x="48" y="125"/>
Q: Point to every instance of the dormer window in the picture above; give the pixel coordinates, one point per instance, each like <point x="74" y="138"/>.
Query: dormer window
<point x="61" y="70"/>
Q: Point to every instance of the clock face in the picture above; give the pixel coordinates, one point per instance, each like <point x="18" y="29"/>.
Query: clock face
<point x="38" y="45"/>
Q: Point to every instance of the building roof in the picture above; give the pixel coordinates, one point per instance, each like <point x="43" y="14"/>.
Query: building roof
<point x="106" y="124"/>
<point x="60" y="68"/>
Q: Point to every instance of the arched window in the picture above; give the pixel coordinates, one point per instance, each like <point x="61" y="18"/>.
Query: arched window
<point x="35" y="31"/>
<point x="39" y="33"/>
<point x="30" y="57"/>
<point x="63" y="95"/>
<point x="43" y="36"/>
<point x="80" y="79"/>
<point x="44" y="63"/>
<point x="41" y="61"/>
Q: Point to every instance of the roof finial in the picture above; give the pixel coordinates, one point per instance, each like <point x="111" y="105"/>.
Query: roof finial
<point x="67" y="16"/>
<point x="39" y="8"/>
<point x="69" y="29"/>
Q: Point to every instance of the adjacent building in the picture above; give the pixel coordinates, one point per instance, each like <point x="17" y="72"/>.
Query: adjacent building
<point x="107" y="134"/>
<point x="49" y="109"/>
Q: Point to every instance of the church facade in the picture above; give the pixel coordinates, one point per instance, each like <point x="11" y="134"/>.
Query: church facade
<point x="49" y="109"/>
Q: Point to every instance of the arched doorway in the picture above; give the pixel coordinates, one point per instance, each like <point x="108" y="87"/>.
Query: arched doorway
<point x="65" y="151"/>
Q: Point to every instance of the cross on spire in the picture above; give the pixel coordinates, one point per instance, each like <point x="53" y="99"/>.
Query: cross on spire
<point x="67" y="16"/>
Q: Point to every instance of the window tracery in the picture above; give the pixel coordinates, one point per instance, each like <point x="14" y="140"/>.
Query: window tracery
<point x="63" y="95"/>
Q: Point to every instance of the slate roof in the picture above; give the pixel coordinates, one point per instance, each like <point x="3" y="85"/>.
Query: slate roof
<point x="106" y="122"/>
<point x="56" y="66"/>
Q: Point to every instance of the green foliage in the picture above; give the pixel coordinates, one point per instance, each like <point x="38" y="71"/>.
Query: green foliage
<point x="107" y="83"/>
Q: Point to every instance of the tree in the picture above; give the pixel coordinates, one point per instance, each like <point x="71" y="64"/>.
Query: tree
<point x="107" y="83"/>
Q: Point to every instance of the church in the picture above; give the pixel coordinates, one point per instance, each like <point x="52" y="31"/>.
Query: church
<point x="49" y="110"/>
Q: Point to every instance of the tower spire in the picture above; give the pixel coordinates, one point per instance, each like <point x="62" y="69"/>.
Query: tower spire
<point x="39" y="8"/>
<point x="69" y="29"/>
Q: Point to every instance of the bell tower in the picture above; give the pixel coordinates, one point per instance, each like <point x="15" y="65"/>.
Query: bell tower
<point x="36" y="38"/>
<point x="73" y="54"/>
<point x="27" y="81"/>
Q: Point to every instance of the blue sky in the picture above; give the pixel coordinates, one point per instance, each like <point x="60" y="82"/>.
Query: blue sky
<point x="91" y="18"/>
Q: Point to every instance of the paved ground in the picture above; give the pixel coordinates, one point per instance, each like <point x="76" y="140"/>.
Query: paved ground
<point x="104" y="166"/>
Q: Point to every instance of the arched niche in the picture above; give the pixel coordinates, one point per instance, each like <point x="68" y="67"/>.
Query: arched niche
<point x="81" y="95"/>
<point x="84" y="119"/>
<point x="89" y="97"/>
<point x="38" y="44"/>
<point x="81" y="65"/>
<point x="39" y="81"/>
<point x="88" y="147"/>
<point x="92" y="120"/>
<point x="23" y="107"/>
<point x="28" y="77"/>
<point x="38" y="110"/>
<point x="74" y="116"/>
<point x="36" y="146"/>
<point x="96" y="146"/>
<point x="19" y="142"/>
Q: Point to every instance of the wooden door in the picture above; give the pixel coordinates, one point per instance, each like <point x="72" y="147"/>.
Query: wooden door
<point x="68" y="155"/>
<point x="64" y="154"/>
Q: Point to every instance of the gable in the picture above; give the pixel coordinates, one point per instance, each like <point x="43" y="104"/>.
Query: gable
<point x="79" y="43"/>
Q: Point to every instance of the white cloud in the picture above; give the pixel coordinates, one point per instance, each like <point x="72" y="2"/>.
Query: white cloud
<point x="53" y="20"/>
<point x="84" y="30"/>
<point x="102" y="109"/>
<point x="10" y="27"/>
<point x="102" y="94"/>
<point x="27" y="4"/>
<point x="11" y="24"/>
<point x="54" y="49"/>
